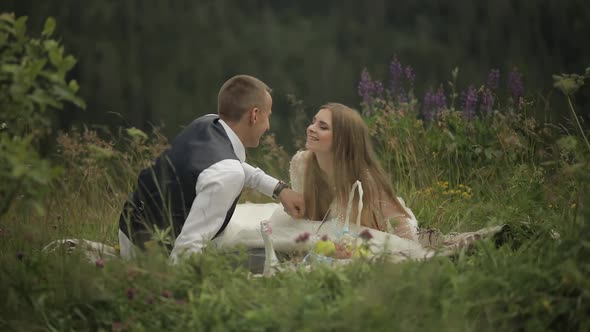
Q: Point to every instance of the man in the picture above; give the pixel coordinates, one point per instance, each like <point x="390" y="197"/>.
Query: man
<point x="193" y="187"/>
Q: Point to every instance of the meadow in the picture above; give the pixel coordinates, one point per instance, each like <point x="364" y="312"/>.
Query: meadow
<point x="462" y="157"/>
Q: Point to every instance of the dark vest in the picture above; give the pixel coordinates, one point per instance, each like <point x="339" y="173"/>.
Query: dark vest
<point x="165" y="191"/>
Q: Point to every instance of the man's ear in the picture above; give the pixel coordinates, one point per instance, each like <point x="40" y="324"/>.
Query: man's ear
<point x="254" y="113"/>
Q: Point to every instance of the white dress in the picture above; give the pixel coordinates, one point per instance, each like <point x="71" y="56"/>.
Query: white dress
<point x="244" y="227"/>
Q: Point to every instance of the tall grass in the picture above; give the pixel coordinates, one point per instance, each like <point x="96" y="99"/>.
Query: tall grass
<point x="456" y="173"/>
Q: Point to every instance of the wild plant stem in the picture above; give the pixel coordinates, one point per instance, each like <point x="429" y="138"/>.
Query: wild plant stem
<point x="569" y="100"/>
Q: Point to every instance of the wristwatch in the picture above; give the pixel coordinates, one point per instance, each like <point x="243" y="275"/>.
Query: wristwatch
<point x="280" y="186"/>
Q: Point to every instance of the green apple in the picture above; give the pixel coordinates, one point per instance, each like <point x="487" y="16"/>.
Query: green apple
<point x="325" y="247"/>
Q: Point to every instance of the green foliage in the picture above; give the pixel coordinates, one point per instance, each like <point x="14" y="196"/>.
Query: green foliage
<point x="535" y="280"/>
<point x="32" y="84"/>
<point x="23" y="173"/>
<point x="33" y="75"/>
<point x="455" y="174"/>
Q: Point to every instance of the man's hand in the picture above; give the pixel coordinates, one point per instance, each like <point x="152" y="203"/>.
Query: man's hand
<point x="293" y="203"/>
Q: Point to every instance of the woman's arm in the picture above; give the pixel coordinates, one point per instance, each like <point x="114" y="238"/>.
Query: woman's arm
<point x="396" y="219"/>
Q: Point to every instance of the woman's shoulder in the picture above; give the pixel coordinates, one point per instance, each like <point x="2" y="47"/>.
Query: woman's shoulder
<point x="296" y="169"/>
<point x="300" y="155"/>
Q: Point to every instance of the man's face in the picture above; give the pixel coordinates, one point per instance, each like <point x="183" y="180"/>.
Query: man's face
<point x="261" y="122"/>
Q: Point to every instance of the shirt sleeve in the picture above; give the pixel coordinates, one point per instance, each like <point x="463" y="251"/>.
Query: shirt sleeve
<point x="257" y="179"/>
<point x="217" y="188"/>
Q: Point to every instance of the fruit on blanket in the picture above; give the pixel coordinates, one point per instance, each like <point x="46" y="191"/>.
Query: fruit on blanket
<point x="362" y="251"/>
<point x="325" y="247"/>
<point x="342" y="252"/>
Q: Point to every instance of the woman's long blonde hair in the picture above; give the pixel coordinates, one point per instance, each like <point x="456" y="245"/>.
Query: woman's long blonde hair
<point x="353" y="159"/>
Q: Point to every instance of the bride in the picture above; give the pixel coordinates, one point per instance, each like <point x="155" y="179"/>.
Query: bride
<point x="338" y="154"/>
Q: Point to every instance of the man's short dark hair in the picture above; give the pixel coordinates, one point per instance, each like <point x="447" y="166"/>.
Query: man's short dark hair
<point x="240" y="94"/>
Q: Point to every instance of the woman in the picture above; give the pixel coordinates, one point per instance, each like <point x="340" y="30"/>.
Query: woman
<point x="339" y="152"/>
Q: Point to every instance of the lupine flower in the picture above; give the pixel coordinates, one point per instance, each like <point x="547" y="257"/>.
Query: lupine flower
<point x="428" y="105"/>
<point x="167" y="294"/>
<point x="402" y="96"/>
<point x="493" y="79"/>
<point x="366" y="86"/>
<point x="99" y="263"/>
<point x="469" y="102"/>
<point x="433" y="103"/>
<point x="366" y="235"/>
<point x="303" y="237"/>
<point x="487" y="100"/>
<point x="378" y="89"/>
<point x="440" y="100"/>
<point x="396" y="72"/>
<point x="410" y="75"/>
<point x="131" y="293"/>
<point x="515" y="85"/>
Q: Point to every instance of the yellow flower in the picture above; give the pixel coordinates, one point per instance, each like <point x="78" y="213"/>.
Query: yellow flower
<point x="573" y="206"/>
<point x="117" y="248"/>
<point x="446" y="192"/>
<point x="546" y="304"/>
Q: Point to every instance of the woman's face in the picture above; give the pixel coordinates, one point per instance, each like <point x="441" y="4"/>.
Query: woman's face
<point x="319" y="132"/>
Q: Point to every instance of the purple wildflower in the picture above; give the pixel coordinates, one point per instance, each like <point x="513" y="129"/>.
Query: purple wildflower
<point x="434" y="103"/>
<point x="515" y="85"/>
<point x="366" y="86"/>
<point x="428" y="105"/>
<point x="487" y="100"/>
<point x="402" y="96"/>
<point x="469" y="102"/>
<point x="378" y="89"/>
<point x="410" y="75"/>
<point x="440" y="100"/>
<point x="167" y="294"/>
<point x="493" y="79"/>
<point x="131" y="293"/>
<point x="396" y="72"/>
<point x="99" y="263"/>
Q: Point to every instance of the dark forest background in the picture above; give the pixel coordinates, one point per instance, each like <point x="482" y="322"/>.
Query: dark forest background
<point x="150" y="62"/>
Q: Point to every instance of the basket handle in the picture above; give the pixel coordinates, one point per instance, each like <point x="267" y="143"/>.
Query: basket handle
<point x="359" y="187"/>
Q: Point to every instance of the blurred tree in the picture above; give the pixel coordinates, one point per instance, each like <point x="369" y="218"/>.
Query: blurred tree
<point x="154" y="62"/>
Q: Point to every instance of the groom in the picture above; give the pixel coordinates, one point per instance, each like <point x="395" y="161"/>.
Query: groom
<point x="193" y="187"/>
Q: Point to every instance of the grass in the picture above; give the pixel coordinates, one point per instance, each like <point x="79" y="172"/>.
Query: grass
<point x="456" y="175"/>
